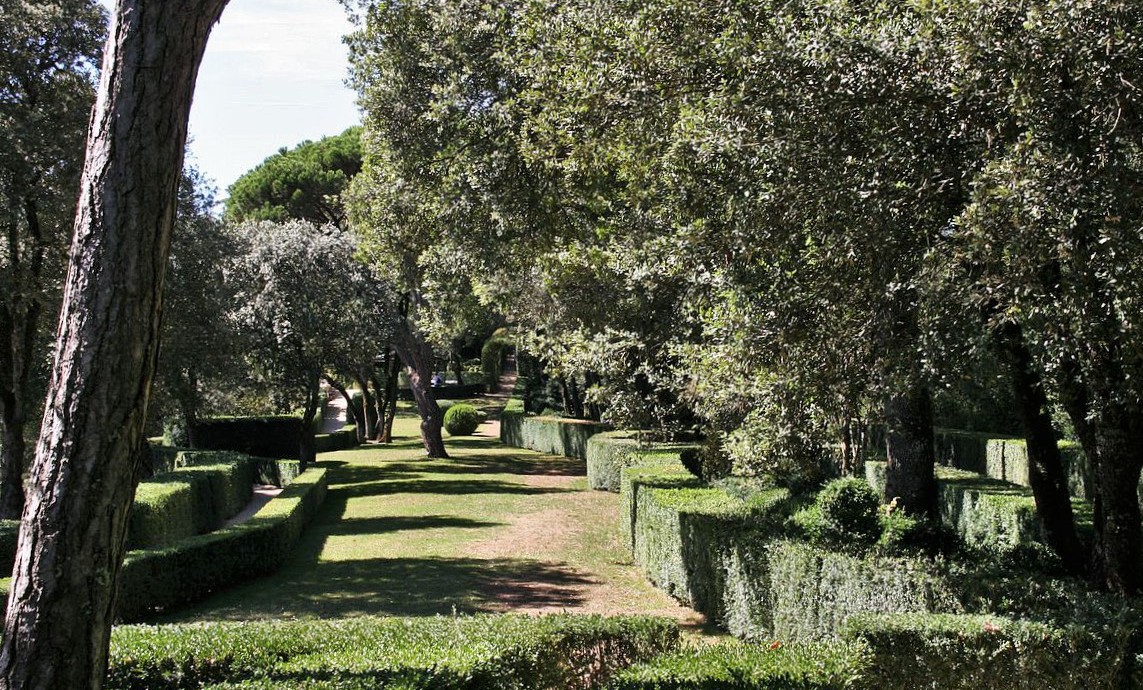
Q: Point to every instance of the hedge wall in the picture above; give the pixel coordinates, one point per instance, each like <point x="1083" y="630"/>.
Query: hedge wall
<point x="193" y="499"/>
<point x="440" y="653"/>
<point x="161" y="578"/>
<point x="342" y="439"/>
<point x="608" y="453"/>
<point x="960" y="652"/>
<point x="265" y="437"/>
<point x="701" y="544"/>
<point x="814" y="590"/>
<point x="736" y="666"/>
<point x="551" y="435"/>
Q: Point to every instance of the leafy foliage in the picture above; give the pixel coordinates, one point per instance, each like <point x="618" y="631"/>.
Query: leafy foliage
<point x="462" y="419"/>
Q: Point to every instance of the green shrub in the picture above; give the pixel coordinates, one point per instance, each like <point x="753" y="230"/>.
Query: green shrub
<point x="186" y="571"/>
<point x="608" y="453"/>
<point x="342" y="439"/>
<point x="701" y="544"/>
<point x="813" y="590"/>
<point x="280" y="473"/>
<point x="441" y="653"/>
<point x="551" y="435"/>
<point x="462" y="419"/>
<point x="736" y="666"/>
<point x="960" y="652"/>
<point x="849" y="510"/>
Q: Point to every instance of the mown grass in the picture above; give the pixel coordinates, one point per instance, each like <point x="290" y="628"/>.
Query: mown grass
<point x="403" y="535"/>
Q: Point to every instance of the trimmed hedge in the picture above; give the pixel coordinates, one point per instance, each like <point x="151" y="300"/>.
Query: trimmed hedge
<point x="609" y="452"/>
<point x="551" y="435"/>
<point x="265" y="437"/>
<point x="950" y="652"/>
<point x="989" y="514"/>
<point x="441" y="653"/>
<point x="161" y="578"/>
<point x="342" y="439"/>
<point x="280" y="473"/>
<point x="449" y="391"/>
<point x="814" y="590"/>
<point x="492" y="356"/>
<point x="193" y="499"/>
<point x="736" y="666"/>
<point x="701" y="544"/>
<point x="462" y="419"/>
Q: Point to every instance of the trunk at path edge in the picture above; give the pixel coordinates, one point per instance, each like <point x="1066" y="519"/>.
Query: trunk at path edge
<point x="417" y="357"/>
<point x="72" y="536"/>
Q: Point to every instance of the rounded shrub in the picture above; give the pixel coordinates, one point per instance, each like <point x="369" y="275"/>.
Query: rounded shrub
<point x="462" y="419"/>
<point x="849" y="509"/>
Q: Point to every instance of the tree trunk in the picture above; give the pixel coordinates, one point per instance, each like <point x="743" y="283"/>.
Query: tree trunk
<point x="417" y="356"/>
<point x="391" y="380"/>
<point x="1119" y="436"/>
<point x="1045" y="466"/>
<point x="82" y="481"/>
<point x="357" y="415"/>
<point x="368" y="432"/>
<point x="457" y="364"/>
<point x="13" y="450"/>
<point x="307" y="448"/>
<point x="909" y="475"/>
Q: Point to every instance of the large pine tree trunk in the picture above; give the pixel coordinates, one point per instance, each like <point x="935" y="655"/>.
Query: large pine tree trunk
<point x="417" y="356"/>
<point x="1119" y="437"/>
<point x="58" y="623"/>
<point x="909" y="475"/>
<point x="19" y="325"/>
<point x="1045" y="465"/>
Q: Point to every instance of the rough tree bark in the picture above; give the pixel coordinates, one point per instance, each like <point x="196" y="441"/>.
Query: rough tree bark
<point x="71" y="543"/>
<point x="1045" y="465"/>
<point x="368" y="432"/>
<point x="909" y="474"/>
<point x="417" y="356"/>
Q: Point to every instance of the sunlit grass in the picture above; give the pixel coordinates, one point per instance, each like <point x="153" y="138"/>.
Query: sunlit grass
<point x="400" y="534"/>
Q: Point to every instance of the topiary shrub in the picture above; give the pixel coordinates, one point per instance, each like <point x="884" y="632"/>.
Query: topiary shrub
<point x="462" y="419"/>
<point x="849" y="510"/>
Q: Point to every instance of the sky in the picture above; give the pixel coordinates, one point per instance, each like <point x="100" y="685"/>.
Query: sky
<point x="273" y="76"/>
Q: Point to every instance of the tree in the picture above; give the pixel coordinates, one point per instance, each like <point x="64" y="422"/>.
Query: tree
<point x="199" y="345"/>
<point x="49" y="54"/>
<point x="302" y="183"/>
<point x="304" y="304"/>
<point x="88" y="458"/>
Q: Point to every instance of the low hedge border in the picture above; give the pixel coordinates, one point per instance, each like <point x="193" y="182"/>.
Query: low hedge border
<point x="186" y="571"/>
<point x="609" y="452"/>
<point x="701" y="544"/>
<point x="205" y="490"/>
<point x="970" y="652"/>
<point x="813" y="590"/>
<point x="550" y="435"/>
<point x="342" y="439"/>
<point x="161" y="578"/>
<point x="990" y="515"/>
<point x="442" y="653"/>
<point x="737" y="666"/>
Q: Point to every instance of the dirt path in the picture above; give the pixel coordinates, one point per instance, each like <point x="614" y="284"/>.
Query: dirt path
<point x="491" y="529"/>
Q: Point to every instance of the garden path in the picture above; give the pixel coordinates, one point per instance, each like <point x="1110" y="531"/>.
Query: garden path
<point x="492" y="529"/>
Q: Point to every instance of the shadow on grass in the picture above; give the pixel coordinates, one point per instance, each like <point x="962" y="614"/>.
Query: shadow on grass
<point x="446" y="487"/>
<point x="418" y="587"/>
<point x="500" y="464"/>
<point x="381" y="525"/>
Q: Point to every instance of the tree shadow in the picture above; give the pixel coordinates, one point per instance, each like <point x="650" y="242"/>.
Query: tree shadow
<point x="412" y="587"/>
<point x="501" y="464"/>
<point x="381" y="525"/>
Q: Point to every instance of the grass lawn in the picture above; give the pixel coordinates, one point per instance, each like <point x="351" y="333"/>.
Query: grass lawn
<point x="490" y="529"/>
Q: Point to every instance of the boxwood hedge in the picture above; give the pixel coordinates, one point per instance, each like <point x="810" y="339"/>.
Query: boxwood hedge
<point x="551" y="435"/>
<point x="737" y="666"/>
<point x="609" y="452"/>
<point x="441" y="653"/>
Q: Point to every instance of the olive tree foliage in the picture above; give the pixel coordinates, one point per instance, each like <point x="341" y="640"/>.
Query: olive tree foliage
<point x="303" y="303"/>
<point x="1049" y="244"/>
<point x="49" y="56"/>
<point x="303" y="183"/>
